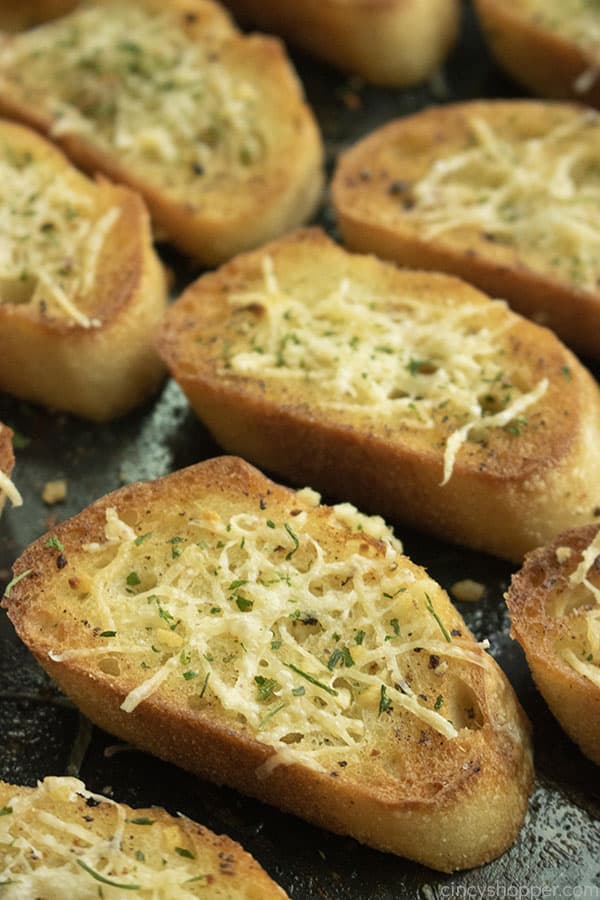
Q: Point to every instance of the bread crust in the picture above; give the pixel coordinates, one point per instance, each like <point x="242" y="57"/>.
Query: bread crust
<point x="387" y="42"/>
<point x="542" y="582"/>
<point x="222" y="867"/>
<point x="463" y="801"/>
<point x="216" y="221"/>
<point x="545" y="61"/>
<point x="103" y="370"/>
<point x="372" y="197"/>
<point x="505" y="497"/>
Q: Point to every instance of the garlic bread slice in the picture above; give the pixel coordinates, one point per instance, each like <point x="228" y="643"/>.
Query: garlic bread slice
<point x="59" y="840"/>
<point x="81" y="288"/>
<point x="209" y="125"/>
<point x="410" y="393"/>
<point x="554" y="603"/>
<point x="287" y="649"/>
<point x="396" y="43"/>
<point x="503" y="193"/>
<point x="551" y="47"/>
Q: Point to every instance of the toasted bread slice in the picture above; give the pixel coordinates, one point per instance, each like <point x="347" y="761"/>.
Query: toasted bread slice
<point x="81" y="288"/>
<point x="210" y="126"/>
<point x="7" y="461"/>
<point x="410" y="393"/>
<point x="554" y="603"/>
<point x="59" y="840"/>
<point x="396" y="43"/>
<point x="287" y="649"/>
<point x="550" y="46"/>
<point x="503" y="194"/>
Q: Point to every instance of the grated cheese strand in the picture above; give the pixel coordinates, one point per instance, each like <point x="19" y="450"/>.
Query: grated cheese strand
<point x="587" y="662"/>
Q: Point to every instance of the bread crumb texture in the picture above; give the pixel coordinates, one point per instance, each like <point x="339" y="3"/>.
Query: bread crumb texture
<point x="60" y="840"/>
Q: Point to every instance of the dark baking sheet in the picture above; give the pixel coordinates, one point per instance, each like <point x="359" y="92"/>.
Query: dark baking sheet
<point x="558" y="851"/>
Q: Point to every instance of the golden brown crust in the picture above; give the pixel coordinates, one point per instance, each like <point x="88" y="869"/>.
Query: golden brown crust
<point x="505" y="496"/>
<point x="545" y="61"/>
<point x="221" y="866"/>
<point x="546" y="614"/>
<point x="221" y="218"/>
<point x="387" y="42"/>
<point x="376" y="213"/>
<point x="103" y="370"/>
<point x="448" y="803"/>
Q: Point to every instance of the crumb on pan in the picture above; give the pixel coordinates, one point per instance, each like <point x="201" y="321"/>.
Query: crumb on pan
<point x="467" y="590"/>
<point x="54" y="492"/>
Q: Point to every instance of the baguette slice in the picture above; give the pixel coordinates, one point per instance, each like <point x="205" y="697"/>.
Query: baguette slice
<point x="554" y="603"/>
<point x="550" y="46"/>
<point x="7" y="461"/>
<point x="60" y="841"/>
<point x="502" y="193"/>
<point x="81" y="288"/>
<point x="396" y="43"/>
<point x="410" y="393"/>
<point x="208" y="125"/>
<point x="286" y="649"/>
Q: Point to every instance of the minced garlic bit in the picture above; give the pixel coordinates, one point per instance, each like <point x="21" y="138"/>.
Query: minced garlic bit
<point x="468" y="591"/>
<point x="583" y="654"/>
<point x="132" y="81"/>
<point x="61" y="840"/>
<point x="307" y="648"/>
<point x="538" y="195"/>
<point x="54" y="492"/>
<point x="419" y="366"/>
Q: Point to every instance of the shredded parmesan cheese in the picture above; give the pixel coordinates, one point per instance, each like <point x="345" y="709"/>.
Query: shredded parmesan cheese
<point x="538" y="195"/>
<point x="130" y="79"/>
<point x="7" y="487"/>
<point x="51" y="236"/>
<point x="304" y="648"/>
<point x="587" y="660"/>
<point x="51" y="847"/>
<point x="388" y="354"/>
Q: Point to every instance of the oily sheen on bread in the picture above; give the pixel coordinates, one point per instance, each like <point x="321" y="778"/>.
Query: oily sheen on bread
<point x="287" y="649"/>
<point x="7" y="461"/>
<point x="81" y="288"/>
<point x="396" y="43"/>
<point x="554" y="603"/>
<point x="502" y="193"/>
<point x="550" y="46"/>
<point x="59" y="840"/>
<point x="410" y="393"/>
<point x="208" y="125"/>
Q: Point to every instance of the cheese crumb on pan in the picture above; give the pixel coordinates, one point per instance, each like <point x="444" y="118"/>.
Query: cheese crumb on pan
<point x="468" y="591"/>
<point x="388" y="353"/>
<point x="304" y="648"/>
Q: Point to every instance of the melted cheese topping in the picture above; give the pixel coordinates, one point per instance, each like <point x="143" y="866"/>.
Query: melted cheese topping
<point x="539" y="196"/>
<point x="384" y="353"/>
<point x="576" y="20"/>
<point x="130" y="80"/>
<point x="51" y="237"/>
<point x="50" y="848"/>
<point x="309" y="650"/>
<point x="587" y="661"/>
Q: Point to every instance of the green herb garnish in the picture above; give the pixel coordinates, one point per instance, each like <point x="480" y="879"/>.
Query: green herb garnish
<point x="54" y="543"/>
<point x="299" y="691"/>
<point x="142" y="820"/>
<point x="438" y="703"/>
<point x="265" y="687"/>
<point x="190" y="675"/>
<point x="98" y="877"/>
<point x="270" y="714"/>
<point x="431" y="610"/>
<point x="295" y="540"/>
<point x="243" y="604"/>
<point x="202" y="692"/>
<point x="312" y="679"/>
<point x="16" y="580"/>
<point x="133" y="579"/>
<point x="141" y="538"/>
<point x="187" y="854"/>
<point x="6" y="810"/>
<point x="385" y="704"/>
<point x="108" y="634"/>
<point x="359" y="636"/>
